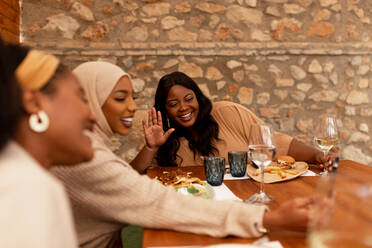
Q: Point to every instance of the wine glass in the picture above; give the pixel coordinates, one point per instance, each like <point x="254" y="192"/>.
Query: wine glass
<point x="261" y="151"/>
<point x="341" y="215"/>
<point x="326" y="135"/>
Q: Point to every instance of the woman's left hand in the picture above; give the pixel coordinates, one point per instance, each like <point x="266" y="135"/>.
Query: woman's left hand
<point x="325" y="161"/>
<point x="154" y="133"/>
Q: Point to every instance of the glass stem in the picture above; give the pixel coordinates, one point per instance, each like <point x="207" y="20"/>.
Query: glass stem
<point x="262" y="179"/>
<point x="325" y="157"/>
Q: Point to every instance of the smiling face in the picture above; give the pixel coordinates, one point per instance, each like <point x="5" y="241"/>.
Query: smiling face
<point x="182" y="106"/>
<point x="70" y="119"/>
<point x="119" y="108"/>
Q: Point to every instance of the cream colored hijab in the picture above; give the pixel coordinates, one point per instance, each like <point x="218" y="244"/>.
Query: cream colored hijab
<point x="98" y="79"/>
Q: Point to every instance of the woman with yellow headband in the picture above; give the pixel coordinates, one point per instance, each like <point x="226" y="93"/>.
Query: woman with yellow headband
<point x="43" y="121"/>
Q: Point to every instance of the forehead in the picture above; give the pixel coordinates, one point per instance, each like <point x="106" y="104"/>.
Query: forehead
<point x="178" y="91"/>
<point x="123" y="83"/>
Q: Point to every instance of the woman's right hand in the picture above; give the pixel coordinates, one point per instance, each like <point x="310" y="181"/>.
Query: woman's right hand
<point x="291" y="215"/>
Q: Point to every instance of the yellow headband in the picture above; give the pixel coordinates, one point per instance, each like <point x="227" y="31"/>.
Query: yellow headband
<point x="36" y="69"/>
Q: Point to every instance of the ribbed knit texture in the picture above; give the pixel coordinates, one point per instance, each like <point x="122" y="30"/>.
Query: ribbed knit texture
<point x="107" y="194"/>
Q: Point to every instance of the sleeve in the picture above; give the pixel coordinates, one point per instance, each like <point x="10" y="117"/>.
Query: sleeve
<point x="239" y="119"/>
<point x="37" y="215"/>
<point x="114" y="192"/>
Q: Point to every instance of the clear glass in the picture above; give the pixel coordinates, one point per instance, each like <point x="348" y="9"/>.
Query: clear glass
<point x="326" y="135"/>
<point x="261" y="151"/>
<point x="341" y="216"/>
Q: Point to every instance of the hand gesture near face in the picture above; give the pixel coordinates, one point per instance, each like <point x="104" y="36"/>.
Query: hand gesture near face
<point x="154" y="133"/>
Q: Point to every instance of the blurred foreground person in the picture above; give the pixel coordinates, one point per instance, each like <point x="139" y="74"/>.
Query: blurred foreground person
<point x="43" y="120"/>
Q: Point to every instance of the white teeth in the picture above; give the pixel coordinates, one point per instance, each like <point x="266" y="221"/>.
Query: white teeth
<point x="186" y="115"/>
<point x="87" y="132"/>
<point x="127" y="119"/>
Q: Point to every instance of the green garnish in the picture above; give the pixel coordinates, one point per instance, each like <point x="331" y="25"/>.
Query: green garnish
<point x="192" y="190"/>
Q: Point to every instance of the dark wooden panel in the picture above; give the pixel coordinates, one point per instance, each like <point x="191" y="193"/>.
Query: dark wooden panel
<point x="8" y="25"/>
<point x="9" y="12"/>
<point x="14" y="4"/>
<point x="9" y="20"/>
<point x="9" y="37"/>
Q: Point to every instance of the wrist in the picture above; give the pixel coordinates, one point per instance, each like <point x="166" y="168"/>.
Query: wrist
<point x="152" y="149"/>
<point x="270" y="221"/>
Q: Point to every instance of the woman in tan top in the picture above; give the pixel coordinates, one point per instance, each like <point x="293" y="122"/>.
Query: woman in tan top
<point x="43" y="120"/>
<point x="107" y="193"/>
<point x="205" y="129"/>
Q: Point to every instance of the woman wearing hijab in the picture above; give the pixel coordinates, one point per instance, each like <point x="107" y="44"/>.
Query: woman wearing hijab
<point x="43" y="121"/>
<point x="203" y="128"/>
<point x="107" y="193"/>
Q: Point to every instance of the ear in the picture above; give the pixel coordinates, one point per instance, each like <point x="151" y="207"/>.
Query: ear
<point x="31" y="101"/>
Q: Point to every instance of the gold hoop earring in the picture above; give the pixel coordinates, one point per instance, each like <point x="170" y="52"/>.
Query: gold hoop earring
<point x="39" y="122"/>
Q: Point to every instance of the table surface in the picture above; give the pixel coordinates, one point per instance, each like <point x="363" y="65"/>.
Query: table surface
<point x="349" y="171"/>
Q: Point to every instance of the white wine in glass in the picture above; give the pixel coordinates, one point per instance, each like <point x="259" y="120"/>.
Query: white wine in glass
<point x="326" y="135"/>
<point x="261" y="151"/>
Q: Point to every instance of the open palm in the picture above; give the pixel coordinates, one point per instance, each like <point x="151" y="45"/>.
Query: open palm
<point x="154" y="133"/>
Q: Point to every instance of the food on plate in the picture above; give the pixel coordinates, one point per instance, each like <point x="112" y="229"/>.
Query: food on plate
<point x="182" y="182"/>
<point x="281" y="169"/>
<point x="286" y="162"/>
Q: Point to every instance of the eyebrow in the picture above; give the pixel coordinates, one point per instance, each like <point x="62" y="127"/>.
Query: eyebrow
<point x="122" y="91"/>
<point x="174" y="99"/>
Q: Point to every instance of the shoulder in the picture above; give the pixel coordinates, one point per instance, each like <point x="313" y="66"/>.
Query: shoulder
<point x="227" y="109"/>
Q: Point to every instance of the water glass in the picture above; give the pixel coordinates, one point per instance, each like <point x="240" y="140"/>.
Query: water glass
<point x="214" y="170"/>
<point x="238" y="163"/>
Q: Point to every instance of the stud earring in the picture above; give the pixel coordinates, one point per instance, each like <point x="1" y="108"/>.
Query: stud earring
<point x="39" y="122"/>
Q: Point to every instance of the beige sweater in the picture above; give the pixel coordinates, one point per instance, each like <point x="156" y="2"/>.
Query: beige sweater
<point x="234" y="121"/>
<point x="108" y="194"/>
<point x="34" y="209"/>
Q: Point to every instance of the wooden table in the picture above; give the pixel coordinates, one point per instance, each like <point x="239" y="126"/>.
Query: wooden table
<point x="348" y="171"/>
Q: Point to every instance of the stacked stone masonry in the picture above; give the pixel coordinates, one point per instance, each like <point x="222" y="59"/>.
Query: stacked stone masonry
<point x="287" y="60"/>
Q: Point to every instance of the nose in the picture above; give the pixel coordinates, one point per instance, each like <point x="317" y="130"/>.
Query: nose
<point x="92" y="117"/>
<point x="132" y="107"/>
<point x="182" y="107"/>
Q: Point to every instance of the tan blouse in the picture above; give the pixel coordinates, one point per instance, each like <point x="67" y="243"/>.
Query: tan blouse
<point x="234" y="121"/>
<point x="107" y="194"/>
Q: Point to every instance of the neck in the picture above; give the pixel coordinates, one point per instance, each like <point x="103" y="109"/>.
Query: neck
<point x="33" y="143"/>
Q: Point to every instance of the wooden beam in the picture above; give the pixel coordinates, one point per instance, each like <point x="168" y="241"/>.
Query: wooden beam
<point x="9" y="12"/>
<point x="9" y="37"/>
<point x="9" y="25"/>
<point x="14" y="4"/>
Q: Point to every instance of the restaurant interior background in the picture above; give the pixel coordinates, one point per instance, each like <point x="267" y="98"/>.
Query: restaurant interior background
<point x="287" y="60"/>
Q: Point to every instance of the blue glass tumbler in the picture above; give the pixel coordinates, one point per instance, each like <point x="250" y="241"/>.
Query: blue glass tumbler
<point x="214" y="170"/>
<point x="238" y="163"/>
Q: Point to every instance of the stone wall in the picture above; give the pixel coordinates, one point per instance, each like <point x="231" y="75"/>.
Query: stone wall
<point x="287" y="60"/>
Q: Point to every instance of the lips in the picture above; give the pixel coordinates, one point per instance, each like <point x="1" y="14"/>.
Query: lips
<point x="127" y="121"/>
<point x="186" y="117"/>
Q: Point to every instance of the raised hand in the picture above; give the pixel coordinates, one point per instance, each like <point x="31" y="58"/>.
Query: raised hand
<point x="154" y="133"/>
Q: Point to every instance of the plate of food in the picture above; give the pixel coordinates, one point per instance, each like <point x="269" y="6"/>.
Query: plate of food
<point x="186" y="184"/>
<point x="283" y="168"/>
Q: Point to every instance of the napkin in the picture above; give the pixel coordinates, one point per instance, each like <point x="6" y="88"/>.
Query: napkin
<point x="228" y="176"/>
<point x="261" y="243"/>
<point x="309" y="173"/>
<point x="222" y="193"/>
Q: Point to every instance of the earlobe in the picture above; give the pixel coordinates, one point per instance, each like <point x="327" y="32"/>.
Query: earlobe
<point x="30" y="101"/>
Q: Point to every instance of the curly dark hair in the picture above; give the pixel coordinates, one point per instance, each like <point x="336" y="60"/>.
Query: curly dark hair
<point x="205" y="125"/>
<point x="11" y="56"/>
